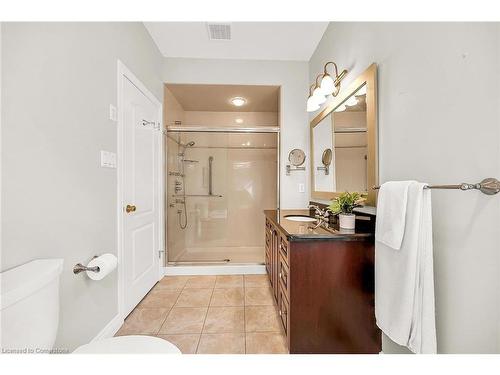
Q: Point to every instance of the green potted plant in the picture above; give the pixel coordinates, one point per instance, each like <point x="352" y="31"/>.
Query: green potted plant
<point x="343" y="206"/>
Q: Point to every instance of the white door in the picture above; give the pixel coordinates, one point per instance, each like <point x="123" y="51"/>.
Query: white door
<point x="141" y="240"/>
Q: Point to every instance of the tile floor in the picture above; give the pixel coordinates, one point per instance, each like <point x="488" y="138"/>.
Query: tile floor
<point x="231" y="314"/>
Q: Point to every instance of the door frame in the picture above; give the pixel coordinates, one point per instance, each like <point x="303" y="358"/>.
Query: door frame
<point x="124" y="73"/>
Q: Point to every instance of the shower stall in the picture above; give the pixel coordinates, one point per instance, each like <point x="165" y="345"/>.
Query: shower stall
<point x="219" y="181"/>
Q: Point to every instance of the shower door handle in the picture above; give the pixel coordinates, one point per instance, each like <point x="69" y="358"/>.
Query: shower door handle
<point x="210" y="161"/>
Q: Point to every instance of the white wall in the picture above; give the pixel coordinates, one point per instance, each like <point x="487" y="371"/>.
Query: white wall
<point x="291" y="76"/>
<point x="439" y="122"/>
<point x="56" y="200"/>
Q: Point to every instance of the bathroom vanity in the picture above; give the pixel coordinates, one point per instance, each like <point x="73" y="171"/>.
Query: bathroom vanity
<point x="323" y="283"/>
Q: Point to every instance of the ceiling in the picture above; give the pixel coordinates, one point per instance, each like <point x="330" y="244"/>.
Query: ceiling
<point x="249" y="40"/>
<point x="216" y="98"/>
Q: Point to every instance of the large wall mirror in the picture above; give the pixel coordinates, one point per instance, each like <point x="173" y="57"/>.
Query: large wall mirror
<point x="344" y="142"/>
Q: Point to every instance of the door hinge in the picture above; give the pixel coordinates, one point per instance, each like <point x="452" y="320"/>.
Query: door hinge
<point x="160" y="252"/>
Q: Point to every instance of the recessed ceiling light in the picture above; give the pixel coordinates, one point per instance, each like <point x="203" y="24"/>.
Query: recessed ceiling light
<point x="238" y="101"/>
<point x="239" y="121"/>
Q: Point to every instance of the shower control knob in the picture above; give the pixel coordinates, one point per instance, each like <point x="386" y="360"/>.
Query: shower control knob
<point x="130" y="208"/>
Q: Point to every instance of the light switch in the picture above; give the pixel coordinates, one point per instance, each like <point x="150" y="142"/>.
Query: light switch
<point x="108" y="159"/>
<point x="112" y="112"/>
<point x="302" y="188"/>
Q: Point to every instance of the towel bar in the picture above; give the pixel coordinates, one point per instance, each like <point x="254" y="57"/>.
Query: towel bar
<point x="488" y="186"/>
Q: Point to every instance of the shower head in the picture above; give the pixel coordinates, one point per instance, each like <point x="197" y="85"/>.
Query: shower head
<point x="184" y="146"/>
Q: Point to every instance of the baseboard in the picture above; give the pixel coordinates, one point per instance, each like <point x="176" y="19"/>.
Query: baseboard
<point x="216" y="270"/>
<point x="110" y="329"/>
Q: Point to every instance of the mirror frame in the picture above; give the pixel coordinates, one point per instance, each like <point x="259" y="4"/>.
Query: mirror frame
<point x="368" y="78"/>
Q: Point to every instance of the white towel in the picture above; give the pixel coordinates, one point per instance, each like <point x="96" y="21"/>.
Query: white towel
<point x="404" y="281"/>
<point x="391" y="213"/>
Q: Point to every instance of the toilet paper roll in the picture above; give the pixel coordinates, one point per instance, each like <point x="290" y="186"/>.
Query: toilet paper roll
<point x="106" y="263"/>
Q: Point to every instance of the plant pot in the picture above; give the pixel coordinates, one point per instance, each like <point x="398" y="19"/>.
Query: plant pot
<point x="347" y="221"/>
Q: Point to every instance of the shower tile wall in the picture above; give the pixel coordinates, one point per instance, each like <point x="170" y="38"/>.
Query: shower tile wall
<point x="231" y="226"/>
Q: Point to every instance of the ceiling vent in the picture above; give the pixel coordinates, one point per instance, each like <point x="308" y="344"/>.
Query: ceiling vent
<point x="219" y="31"/>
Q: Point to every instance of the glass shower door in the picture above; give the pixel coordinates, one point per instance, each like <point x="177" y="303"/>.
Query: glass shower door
<point x="218" y="184"/>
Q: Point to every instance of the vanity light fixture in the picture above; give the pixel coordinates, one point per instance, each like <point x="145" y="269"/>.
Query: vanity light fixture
<point x="238" y="101"/>
<point x="328" y="86"/>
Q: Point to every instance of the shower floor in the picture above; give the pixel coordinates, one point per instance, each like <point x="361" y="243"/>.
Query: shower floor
<point x="237" y="254"/>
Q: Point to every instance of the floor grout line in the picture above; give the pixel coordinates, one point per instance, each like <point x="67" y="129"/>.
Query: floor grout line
<point x="205" y="320"/>
<point x="169" y="311"/>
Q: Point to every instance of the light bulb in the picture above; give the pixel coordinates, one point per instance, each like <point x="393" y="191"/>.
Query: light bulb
<point x="318" y="92"/>
<point x="318" y="96"/>
<point x="312" y="105"/>
<point x="327" y="85"/>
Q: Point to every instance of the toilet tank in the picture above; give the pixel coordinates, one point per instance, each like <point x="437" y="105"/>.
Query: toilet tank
<point x="30" y="306"/>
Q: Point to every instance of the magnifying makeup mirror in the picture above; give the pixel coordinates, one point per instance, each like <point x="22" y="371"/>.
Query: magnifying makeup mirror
<point x="326" y="159"/>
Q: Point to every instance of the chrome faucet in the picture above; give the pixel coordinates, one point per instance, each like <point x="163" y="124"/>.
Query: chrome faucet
<point x="320" y="215"/>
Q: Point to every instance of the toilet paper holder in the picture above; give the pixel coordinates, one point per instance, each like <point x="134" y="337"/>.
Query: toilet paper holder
<point x="81" y="268"/>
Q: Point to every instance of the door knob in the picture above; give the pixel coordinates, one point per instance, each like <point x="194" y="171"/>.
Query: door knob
<point x="130" y="208"/>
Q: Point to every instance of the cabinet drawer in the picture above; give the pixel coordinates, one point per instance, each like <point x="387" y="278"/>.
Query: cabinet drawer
<point x="284" y="249"/>
<point x="283" y="308"/>
<point x="284" y="277"/>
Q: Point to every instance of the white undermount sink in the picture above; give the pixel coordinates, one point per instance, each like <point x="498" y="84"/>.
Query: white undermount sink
<point x="300" y="218"/>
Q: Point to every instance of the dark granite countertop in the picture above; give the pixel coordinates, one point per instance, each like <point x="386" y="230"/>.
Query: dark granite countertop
<point x="300" y="231"/>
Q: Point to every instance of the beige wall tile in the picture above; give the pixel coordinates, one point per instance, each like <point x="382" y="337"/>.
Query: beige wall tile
<point x="222" y="343"/>
<point x="227" y="297"/>
<point x="262" y="319"/>
<point x="187" y="344"/>
<point x="224" y="320"/>
<point x="194" y="298"/>
<point x="184" y="320"/>
<point x="266" y="343"/>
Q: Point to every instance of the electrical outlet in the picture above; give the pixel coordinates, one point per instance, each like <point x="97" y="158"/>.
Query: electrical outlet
<point x="108" y="159"/>
<point x="302" y="188"/>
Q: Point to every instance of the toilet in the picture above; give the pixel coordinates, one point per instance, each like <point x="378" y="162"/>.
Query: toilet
<point x="29" y="307"/>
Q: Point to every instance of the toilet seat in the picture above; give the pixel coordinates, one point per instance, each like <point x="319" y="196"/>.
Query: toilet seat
<point x="129" y="345"/>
